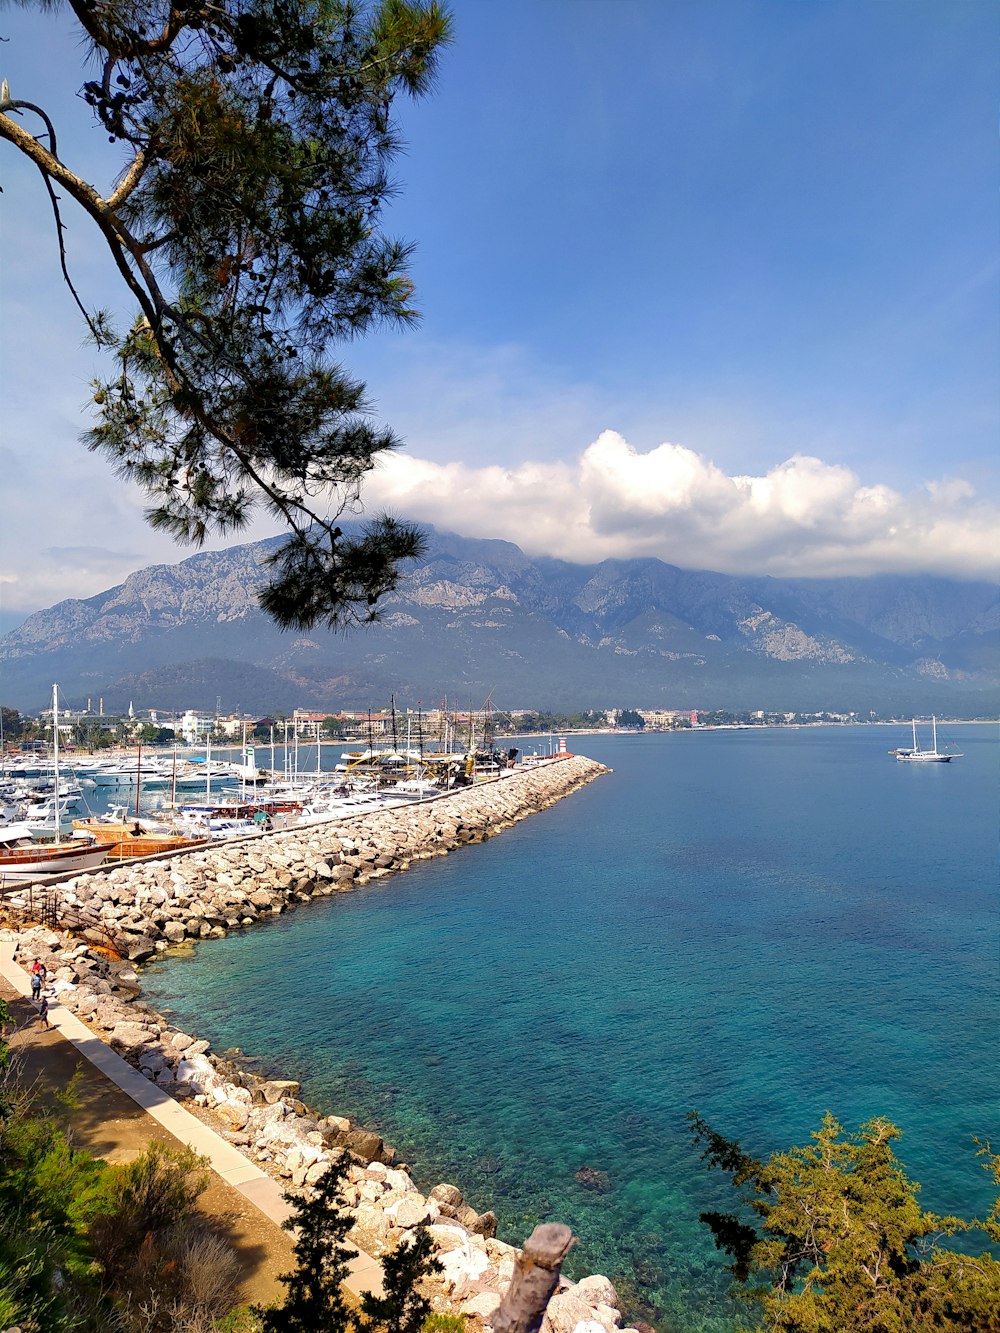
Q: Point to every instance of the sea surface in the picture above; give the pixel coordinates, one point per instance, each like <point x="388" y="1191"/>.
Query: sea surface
<point x="761" y="925"/>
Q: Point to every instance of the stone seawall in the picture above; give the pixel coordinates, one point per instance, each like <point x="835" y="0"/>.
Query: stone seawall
<point x="130" y="913"/>
<point x="144" y="907"/>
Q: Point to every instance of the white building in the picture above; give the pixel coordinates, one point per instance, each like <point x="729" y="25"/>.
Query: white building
<point x="194" y="727"/>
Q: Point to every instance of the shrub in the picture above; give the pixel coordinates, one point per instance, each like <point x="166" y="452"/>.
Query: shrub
<point x="134" y="1208"/>
<point x="444" y="1323"/>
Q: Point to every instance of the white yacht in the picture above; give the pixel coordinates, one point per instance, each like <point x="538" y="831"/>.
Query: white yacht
<point x="914" y="754"/>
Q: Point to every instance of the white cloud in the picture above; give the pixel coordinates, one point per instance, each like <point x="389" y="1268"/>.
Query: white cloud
<point x="803" y="517"/>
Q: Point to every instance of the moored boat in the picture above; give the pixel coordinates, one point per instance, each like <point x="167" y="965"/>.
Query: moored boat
<point x="127" y="840"/>
<point x="914" y="755"/>
<point x="21" y="857"/>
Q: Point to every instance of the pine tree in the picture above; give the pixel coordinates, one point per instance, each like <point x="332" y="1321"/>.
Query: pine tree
<point x="315" y="1301"/>
<point x="246" y="226"/>
<point x="402" y="1309"/>
<point x="840" y="1243"/>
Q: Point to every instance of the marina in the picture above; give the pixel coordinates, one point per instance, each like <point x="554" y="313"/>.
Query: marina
<point x="155" y="795"/>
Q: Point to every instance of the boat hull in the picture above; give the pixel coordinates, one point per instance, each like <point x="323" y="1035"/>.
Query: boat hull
<point x="32" y="862"/>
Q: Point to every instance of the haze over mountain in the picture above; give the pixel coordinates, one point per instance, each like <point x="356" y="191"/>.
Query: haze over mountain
<point x="478" y="616"/>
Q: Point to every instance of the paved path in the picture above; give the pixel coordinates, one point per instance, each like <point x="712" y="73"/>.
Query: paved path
<point x="237" y="1171"/>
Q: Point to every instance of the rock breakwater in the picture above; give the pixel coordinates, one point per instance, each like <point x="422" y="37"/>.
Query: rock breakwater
<point x="122" y="916"/>
<point x="143" y="908"/>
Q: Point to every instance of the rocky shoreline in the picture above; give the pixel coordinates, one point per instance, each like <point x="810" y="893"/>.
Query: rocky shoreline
<point x="113" y="919"/>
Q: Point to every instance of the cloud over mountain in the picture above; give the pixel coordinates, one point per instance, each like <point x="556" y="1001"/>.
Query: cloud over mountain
<point x="803" y="517"/>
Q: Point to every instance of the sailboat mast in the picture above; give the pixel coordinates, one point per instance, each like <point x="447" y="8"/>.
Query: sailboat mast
<point x="55" y="752"/>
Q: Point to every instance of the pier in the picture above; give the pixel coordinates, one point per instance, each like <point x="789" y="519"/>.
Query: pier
<point x="140" y="908"/>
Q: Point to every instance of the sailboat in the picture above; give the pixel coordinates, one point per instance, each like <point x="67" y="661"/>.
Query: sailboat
<point x="21" y="857"/>
<point x="915" y="755"/>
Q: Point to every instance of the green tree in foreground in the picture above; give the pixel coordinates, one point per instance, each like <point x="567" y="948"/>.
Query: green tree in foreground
<point x="402" y="1309"/>
<point x="315" y="1302"/>
<point x="89" y="1247"/>
<point x="246" y="226"/>
<point x="840" y="1243"/>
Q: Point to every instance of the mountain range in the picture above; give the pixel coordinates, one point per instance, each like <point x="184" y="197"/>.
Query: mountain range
<point x="475" y="617"/>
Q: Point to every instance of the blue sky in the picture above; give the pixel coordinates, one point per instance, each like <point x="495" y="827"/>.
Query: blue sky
<point x="714" y="281"/>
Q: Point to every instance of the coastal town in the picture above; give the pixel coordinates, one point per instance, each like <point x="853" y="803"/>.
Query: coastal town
<point x="92" y="728"/>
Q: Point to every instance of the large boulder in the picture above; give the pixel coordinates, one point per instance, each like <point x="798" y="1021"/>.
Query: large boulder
<point x="152" y="1061"/>
<point x="483" y="1306"/>
<point x="234" y="1115"/>
<point x="400" y="1182"/>
<point x="462" y="1268"/>
<point x="365" y="1144"/>
<point x="597" y="1290"/>
<point x="138" y="948"/>
<point x="445" y="1237"/>
<point x="276" y="1090"/>
<point x="411" y="1211"/>
<point x="485" y="1224"/>
<point x="569" y="1313"/>
<point x="198" y="1072"/>
<point x="447" y="1194"/>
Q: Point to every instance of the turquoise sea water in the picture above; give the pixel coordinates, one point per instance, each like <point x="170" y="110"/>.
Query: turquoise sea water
<point x="761" y="925"/>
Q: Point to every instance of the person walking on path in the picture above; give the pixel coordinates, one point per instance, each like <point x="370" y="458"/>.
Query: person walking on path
<point x="36" y="982"/>
<point x="43" y="1012"/>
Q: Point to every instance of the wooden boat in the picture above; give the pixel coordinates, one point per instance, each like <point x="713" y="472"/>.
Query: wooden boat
<point x="127" y="840"/>
<point x="21" y="857"/>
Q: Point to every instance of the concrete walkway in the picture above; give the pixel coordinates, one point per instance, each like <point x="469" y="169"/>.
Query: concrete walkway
<point x="258" y="1188"/>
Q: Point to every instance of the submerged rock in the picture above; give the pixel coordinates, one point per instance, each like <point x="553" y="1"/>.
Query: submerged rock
<point x="593" y="1179"/>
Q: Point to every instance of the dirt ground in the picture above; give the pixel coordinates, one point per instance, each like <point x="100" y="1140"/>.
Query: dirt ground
<point x="108" y="1124"/>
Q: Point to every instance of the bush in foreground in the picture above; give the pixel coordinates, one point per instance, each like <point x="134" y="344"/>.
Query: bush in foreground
<point x="839" y="1243"/>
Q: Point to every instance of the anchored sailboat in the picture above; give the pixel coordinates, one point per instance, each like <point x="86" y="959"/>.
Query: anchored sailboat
<point x="915" y="755"/>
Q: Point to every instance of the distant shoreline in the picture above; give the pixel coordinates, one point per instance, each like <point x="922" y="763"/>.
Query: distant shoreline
<point x="121" y="752"/>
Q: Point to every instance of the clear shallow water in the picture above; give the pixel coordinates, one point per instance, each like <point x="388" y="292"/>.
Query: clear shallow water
<point x="761" y="925"/>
